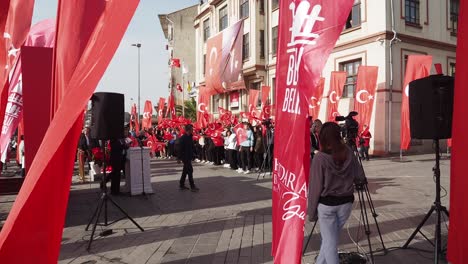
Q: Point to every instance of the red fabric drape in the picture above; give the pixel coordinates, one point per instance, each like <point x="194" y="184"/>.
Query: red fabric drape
<point x="134" y="122"/>
<point x="162" y="102"/>
<point x="307" y="34"/>
<point x="366" y="86"/>
<point x="253" y="101"/>
<point x="337" y="81"/>
<point x="265" y="94"/>
<point x="458" y="231"/>
<point x="93" y="28"/>
<point x="417" y="67"/>
<point x="202" y="106"/>
<point x="171" y="106"/>
<point x="147" y="115"/>
<point x="315" y="99"/>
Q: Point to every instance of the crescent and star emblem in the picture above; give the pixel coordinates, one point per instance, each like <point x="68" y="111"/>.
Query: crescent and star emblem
<point x="312" y="105"/>
<point x="215" y="52"/>
<point x="146" y="115"/>
<point x="334" y="97"/>
<point x="200" y="109"/>
<point x="359" y="95"/>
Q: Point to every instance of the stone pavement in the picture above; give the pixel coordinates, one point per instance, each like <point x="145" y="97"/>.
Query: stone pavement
<point x="229" y="220"/>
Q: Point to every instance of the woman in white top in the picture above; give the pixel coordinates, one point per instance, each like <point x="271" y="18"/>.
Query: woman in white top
<point x="232" y="150"/>
<point x="201" y="141"/>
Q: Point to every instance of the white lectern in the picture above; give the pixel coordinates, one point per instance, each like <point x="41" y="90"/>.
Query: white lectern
<point x="133" y="180"/>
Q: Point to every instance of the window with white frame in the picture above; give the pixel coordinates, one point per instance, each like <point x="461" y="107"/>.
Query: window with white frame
<point x="244" y="9"/>
<point x="223" y="18"/>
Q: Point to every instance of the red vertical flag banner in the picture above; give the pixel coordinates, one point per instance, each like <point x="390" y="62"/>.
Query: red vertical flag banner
<point x="170" y="106"/>
<point x="162" y="102"/>
<point x="307" y="34"/>
<point x="438" y="68"/>
<point x="366" y="86"/>
<point x="202" y="106"/>
<point x="316" y="99"/>
<point x="253" y="101"/>
<point x="147" y="115"/>
<point x="134" y="123"/>
<point x="417" y="67"/>
<point x="94" y="29"/>
<point x="337" y="81"/>
<point x="458" y="231"/>
<point x="265" y="94"/>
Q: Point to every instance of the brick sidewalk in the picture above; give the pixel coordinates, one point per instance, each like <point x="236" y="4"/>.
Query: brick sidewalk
<point x="229" y="220"/>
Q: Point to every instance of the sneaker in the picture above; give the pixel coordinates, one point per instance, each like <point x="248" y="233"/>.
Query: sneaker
<point x="239" y="170"/>
<point x="226" y="166"/>
<point x="211" y="163"/>
<point x="247" y="172"/>
<point x="183" y="188"/>
<point x="194" y="189"/>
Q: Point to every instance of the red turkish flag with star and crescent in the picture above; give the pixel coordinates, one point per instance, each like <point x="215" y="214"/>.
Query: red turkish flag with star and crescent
<point x="147" y="115"/>
<point x="307" y="34"/>
<point x="170" y="106"/>
<point x="202" y="106"/>
<point x="366" y="86"/>
<point x="253" y="101"/>
<point x="417" y="67"/>
<point x="316" y="99"/>
<point x="162" y="102"/>
<point x="134" y="122"/>
<point x="337" y="81"/>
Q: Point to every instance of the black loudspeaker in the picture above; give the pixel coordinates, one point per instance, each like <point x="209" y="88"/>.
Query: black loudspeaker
<point x="431" y="107"/>
<point x="107" y="116"/>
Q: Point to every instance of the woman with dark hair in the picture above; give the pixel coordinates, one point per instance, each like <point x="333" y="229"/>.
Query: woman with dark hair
<point x="259" y="149"/>
<point x="334" y="171"/>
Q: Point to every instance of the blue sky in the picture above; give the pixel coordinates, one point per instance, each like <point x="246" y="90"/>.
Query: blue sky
<point x="121" y="75"/>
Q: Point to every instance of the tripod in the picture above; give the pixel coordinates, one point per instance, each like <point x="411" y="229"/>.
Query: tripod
<point x="267" y="157"/>
<point x="103" y="203"/>
<point x="140" y="143"/>
<point x="437" y="207"/>
<point x="363" y="194"/>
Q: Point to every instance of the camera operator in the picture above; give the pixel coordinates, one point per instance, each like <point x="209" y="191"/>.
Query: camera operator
<point x="334" y="171"/>
<point x="364" y="139"/>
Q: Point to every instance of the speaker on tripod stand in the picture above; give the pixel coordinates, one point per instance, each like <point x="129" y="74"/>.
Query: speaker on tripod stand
<point x="107" y="123"/>
<point x="431" y="108"/>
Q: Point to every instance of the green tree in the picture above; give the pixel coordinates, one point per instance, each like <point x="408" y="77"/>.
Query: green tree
<point x="190" y="109"/>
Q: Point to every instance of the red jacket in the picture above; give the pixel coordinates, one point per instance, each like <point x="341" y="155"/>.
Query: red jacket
<point x="366" y="136"/>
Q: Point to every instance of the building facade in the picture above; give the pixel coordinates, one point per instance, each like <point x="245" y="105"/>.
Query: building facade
<point x="180" y="33"/>
<point x="377" y="33"/>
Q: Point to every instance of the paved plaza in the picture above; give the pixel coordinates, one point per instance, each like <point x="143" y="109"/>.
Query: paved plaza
<point x="229" y="220"/>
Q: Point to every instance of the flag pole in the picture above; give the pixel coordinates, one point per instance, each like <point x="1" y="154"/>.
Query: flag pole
<point x="183" y="91"/>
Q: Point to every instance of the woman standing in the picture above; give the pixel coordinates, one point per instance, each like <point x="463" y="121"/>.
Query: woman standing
<point x="259" y="149"/>
<point x="364" y="143"/>
<point x="334" y="172"/>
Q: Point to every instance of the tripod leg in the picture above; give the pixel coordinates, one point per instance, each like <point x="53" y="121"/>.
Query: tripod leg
<point x="374" y="214"/>
<point x="444" y="209"/>
<point x="94" y="214"/>
<point x="366" y="222"/>
<point x="125" y="213"/>
<point x="94" y="225"/>
<point x="437" y="238"/>
<point x="419" y="227"/>
<point x="308" y="239"/>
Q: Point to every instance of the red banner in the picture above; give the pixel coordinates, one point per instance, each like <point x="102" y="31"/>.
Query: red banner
<point x="162" y="102"/>
<point x="458" y="231"/>
<point x="41" y="35"/>
<point x="417" y="67"/>
<point x="241" y="133"/>
<point x="337" y="81"/>
<point x="171" y="106"/>
<point x="316" y="99"/>
<point x="234" y="99"/>
<point x="78" y="74"/>
<point x="307" y="34"/>
<point x="253" y="101"/>
<point x="202" y="107"/>
<point x="224" y="60"/>
<point x="134" y="120"/>
<point x="147" y="115"/>
<point x="438" y="68"/>
<point x="265" y="94"/>
<point x="366" y="86"/>
<point x="175" y="63"/>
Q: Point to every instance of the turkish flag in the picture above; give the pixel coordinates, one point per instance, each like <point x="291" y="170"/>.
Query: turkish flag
<point x="316" y="99"/>
<point x="202" y="106"/>
<point x="241" y="133"/>
<point x="179" y="87"/>
<point x="175" y="63"/>
<point x="224" y="60"/>
<point x="244" y="115"/>
<point x="171" y="106"/>
<point x="337" y="81"/>
<point x="265" y="94"/>
<point x="147" y="115"/>
<point x="458" y="231"/>
<point x="134" y="120"/>
<point x="417" y="67"/>
<point x="162" y="102"/>
<point x="92" y="28"/>
<point x="366" y="86"/>
<point x="253" y="101"/>
<point x="307" y="34"/>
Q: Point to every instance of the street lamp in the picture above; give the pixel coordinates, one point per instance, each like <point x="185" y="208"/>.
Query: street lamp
<point x="138" y="45"/>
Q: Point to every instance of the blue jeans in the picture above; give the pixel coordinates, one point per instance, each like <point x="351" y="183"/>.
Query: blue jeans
<point x="331" y="220"/>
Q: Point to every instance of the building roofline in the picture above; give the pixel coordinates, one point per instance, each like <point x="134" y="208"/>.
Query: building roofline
<point x="163" y="21"/>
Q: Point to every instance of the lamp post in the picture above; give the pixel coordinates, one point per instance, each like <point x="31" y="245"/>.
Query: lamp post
<point x="138" y="45"/>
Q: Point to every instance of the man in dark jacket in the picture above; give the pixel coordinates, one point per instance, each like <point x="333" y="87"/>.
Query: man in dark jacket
<point x="115" y="161"/>
<point x="186" y="156"/>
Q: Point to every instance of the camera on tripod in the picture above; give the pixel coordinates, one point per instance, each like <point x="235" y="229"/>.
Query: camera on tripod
<point x="349" y="130"/>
